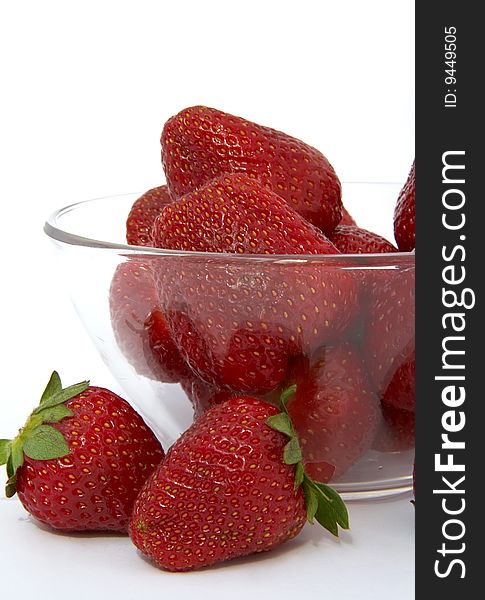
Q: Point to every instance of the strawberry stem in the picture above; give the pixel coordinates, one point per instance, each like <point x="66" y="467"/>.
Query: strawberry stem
<point x="36" y="439"/>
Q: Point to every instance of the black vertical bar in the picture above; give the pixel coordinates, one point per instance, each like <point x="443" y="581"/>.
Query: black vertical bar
<point x="450" y="236"/>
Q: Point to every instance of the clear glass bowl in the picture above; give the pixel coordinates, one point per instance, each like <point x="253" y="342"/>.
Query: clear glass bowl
<point x="339" y="326"/>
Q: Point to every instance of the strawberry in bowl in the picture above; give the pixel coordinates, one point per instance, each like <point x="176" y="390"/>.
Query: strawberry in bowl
<point x="244" y="274"/>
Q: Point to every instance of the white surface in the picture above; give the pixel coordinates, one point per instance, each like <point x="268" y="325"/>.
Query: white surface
<point x="86" y="88"/>
<point x="375" y="560"/>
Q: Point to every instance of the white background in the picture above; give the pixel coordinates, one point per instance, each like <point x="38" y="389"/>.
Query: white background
<point x="85" y="89"/>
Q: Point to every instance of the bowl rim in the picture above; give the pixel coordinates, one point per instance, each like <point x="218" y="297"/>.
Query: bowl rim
<point x="58" y="234"/>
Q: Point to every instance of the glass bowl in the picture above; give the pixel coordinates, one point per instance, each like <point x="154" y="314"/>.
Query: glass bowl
<point x="339" y="326"/>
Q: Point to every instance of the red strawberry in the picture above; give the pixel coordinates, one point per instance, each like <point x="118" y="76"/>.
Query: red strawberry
<point x="401" y="391"/>
<point x="172" y="367"/>
<point x="238" y="320"/>
<point x="142" y="214"/>
<point x="253" y="360"/>
<point x="231" y="485"/>
<point x="202" y="143"/>
<point x="404" y="214"/>
<point x="334" y="410"/>
<point x="389" y="334"/>
<point x="347" y="218"/>
<point x="350" y="239"/>
<point x="234" y="213"/>
<point x="81" y="459"/>
<point x="138" y="325"/>
<point x="397" y="430"/>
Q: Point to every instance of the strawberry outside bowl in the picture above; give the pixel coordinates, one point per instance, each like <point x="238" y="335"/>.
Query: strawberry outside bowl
<point x="339" y="327"/>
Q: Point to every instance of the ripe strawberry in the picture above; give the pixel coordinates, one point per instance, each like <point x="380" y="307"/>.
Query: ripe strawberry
<point x="335" y="411"/>
<point x="234" y="213"/>
<point x="388" y="338"/>
<point x="139" y="326"/>
<point x="237" y="321"/>
<point x="397" y="432"/>
<point x="253" y="360"/>
<point x="347" y="218"/>
<point x="231" y="485"/>
<point x="201" y="143"/>
<point x="81" y="459"/>
<point x="350" y="239"/>
<point x="143" y="213"/>
<point x="172" y="367"/>
<point x="401" y="391"/>
<point x="404" y="214"/>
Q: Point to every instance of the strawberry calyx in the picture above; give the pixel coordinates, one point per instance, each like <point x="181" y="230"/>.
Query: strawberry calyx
<point x="323" y="503"/>
<point x="37" y="439"/>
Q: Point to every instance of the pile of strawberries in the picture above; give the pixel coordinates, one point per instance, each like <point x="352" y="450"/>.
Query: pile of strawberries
<point x="343" y="329"/>
<point x="296" y="364"/>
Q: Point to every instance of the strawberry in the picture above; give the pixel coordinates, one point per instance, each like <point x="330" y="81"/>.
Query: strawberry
<point x="201" y="143"/>
<point x="388" y="338"/>
<point x="401" y="391"/>
<point x="350" y="239"/>
<point x="347" y="218"/>
<point x="81" y="459"/>
<point x="224" y="312"/>
<point x="143" y="213"/>
<point x="138" y="324"/>
<point x="397" y="431"/>
<point x="231" y="485"/>
<point x="335" y="411"/>
<point x="254" y="360"/>
<point x="404" y="214"/>
<point x="172" y="367"/>
<point x="238" y="321"/>
<point x="234" y="213"/>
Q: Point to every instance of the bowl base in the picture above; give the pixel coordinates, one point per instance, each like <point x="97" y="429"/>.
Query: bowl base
<point x="350" y="492"/>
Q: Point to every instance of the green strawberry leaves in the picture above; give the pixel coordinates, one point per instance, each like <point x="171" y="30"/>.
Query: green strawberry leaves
<point x="311" y="499"/>
<point x="53" y="414"/>
<point x="54" y="394"/>
<point x="37" y="439"/>
<point x="45" y="443"/>
<point x="323" y="503"/>
<point x="292" y="452"/>
<point x="16" y="454"/>
<point x="282" y="423"/>
<point x="54" y="386"/>
<point x="286" y="395"/>
<point x="330" y="511"/>
<point x="4" y="451"/>
<point x="299" y="475"/>
<point x="10" y="485"/>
